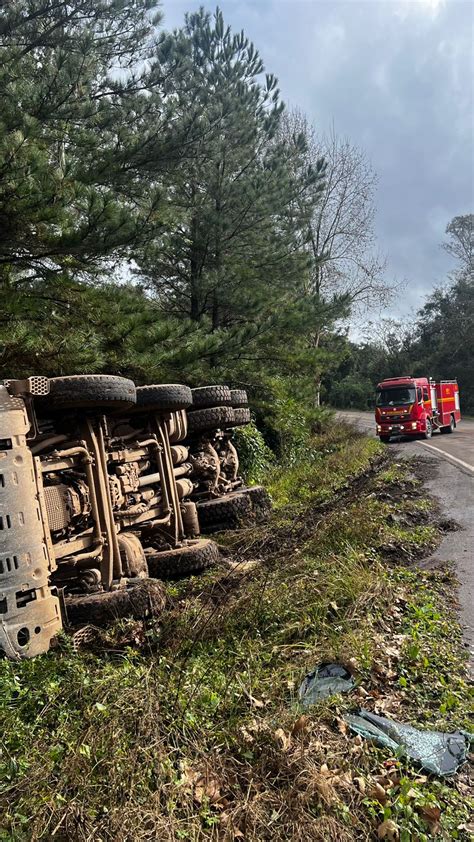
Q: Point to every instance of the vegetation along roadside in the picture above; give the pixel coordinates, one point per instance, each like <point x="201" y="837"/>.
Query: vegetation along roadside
<point x="194" y="730"/>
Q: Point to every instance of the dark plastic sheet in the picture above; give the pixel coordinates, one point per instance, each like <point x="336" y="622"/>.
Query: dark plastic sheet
<point x="324" y="681"/>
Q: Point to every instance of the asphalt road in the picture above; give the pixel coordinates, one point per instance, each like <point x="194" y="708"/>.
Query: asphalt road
<point x="452" y="484"/>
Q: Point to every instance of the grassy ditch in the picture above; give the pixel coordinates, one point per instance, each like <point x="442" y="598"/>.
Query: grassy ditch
<point x="194" y="731"/>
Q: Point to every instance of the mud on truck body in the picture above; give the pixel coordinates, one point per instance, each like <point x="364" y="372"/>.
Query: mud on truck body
<point x="95" y="498"/>
<point x="222" y="498"/>
<point x="416" y="406"/>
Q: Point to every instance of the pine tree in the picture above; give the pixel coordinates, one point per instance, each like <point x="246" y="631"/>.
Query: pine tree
<point x="234" y="263"/>
<point x="87" y="144"/>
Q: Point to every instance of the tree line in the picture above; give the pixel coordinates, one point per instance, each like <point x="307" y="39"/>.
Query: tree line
<point x="164" y="216"/>
<point x="437" y="342"/>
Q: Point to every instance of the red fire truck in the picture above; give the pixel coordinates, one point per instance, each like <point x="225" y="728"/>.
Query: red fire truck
<point x="414" y="406"/>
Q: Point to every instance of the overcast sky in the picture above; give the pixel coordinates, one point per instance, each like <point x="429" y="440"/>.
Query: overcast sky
<point x="397" y="78"/>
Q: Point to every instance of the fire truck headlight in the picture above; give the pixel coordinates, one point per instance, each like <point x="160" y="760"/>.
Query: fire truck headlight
<point x="413" y="425"/>
<point x="379" y="428"/>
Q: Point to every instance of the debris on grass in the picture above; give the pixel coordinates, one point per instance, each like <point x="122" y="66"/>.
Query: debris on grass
<point x="325" y="680"/>
<point x="437" y="752"/>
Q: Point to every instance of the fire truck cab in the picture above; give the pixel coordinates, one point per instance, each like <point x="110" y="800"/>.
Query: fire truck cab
<point x="414" y="406"/>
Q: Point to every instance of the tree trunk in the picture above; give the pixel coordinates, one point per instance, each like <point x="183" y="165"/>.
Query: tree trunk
<point x="195" y="310"/>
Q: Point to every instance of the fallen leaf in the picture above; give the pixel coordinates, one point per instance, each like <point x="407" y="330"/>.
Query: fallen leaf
<point x="377" y="792"/>
<point x="301" y="725"/>
<point x="282" y="738"/>
<point x="324" y="788"/>
<point x="388" y="830"/>
<point x="360" y="783"/>
<point x="432" y="816"/>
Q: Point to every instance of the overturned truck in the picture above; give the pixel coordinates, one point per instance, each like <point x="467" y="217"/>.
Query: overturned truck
<point x="94" y="499"/>
<point x="99" y="499"/>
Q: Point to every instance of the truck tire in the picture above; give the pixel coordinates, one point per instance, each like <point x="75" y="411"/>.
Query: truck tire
<point x="239" y="398"/>
<point x="385" y="439"/>
<point x="169" y="397"/>
<point x="429" y="429"/>
<point x="217" y="417"/>
<point x="88" y="391"/>
<point x="451" y="426"/>
<point x="241" y="417"/>
<point x="205" y="397"/>
<point x="133" y="556"/>
<point x="194" y="557"/>
<point x="228" y="512"/>
<point x="260" y="500"/>
<point x="139" y="602"/>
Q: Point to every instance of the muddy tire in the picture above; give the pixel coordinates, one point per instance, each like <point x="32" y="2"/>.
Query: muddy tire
<point x="144" y="600"/>
<point x="132" y="554"/>
<point x="194" y="557"/>
<point x="205" y="397"/>
<point x="260" y="499"/>
<point x="239" y="398"/>
<point x="169" y="397"/>
<point x="241" y="417"/>
<point x="88" y="391"/>
<point x="229" y="512"/>
<point x="217" y="417"/>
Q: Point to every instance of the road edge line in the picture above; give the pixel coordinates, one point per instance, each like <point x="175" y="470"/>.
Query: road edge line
<point x="448" y="456"/>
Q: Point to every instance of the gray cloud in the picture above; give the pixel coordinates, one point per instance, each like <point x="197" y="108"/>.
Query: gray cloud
<point x="396" y="77"/>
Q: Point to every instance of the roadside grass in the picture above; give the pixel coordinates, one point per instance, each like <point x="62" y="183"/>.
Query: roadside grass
<point x="196" y="732"/>
<point x="326" y="465"/>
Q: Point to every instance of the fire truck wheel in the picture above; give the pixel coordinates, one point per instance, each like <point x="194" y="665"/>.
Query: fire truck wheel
<point x="228" y="512"/>
<point x="205" y="397"/>
<point x="139" y="601"/>
<point x="169" y="397"/>
<point x="385" y="439"/>
<point x="260" y="499"/>
<point x="217" y="417"/>
<point x="88" y="391"/>
<point x="429" y="430"/>
<point x="193" y="557"/>
<point x="450" y="428"/>
<point x="239" y="398"/>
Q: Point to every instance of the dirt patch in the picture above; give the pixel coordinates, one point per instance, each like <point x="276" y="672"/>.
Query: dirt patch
<point x="424" y="468"/>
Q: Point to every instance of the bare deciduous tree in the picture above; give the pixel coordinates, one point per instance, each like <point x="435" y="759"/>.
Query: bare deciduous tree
<point x="345" y="259"/>
<point x="461" y="242"/>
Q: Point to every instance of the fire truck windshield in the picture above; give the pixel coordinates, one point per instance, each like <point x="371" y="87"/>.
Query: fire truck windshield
<point x="397" y="396"/>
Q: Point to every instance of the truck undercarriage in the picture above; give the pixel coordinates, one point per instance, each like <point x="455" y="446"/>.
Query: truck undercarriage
<point x="104" y="487"/>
